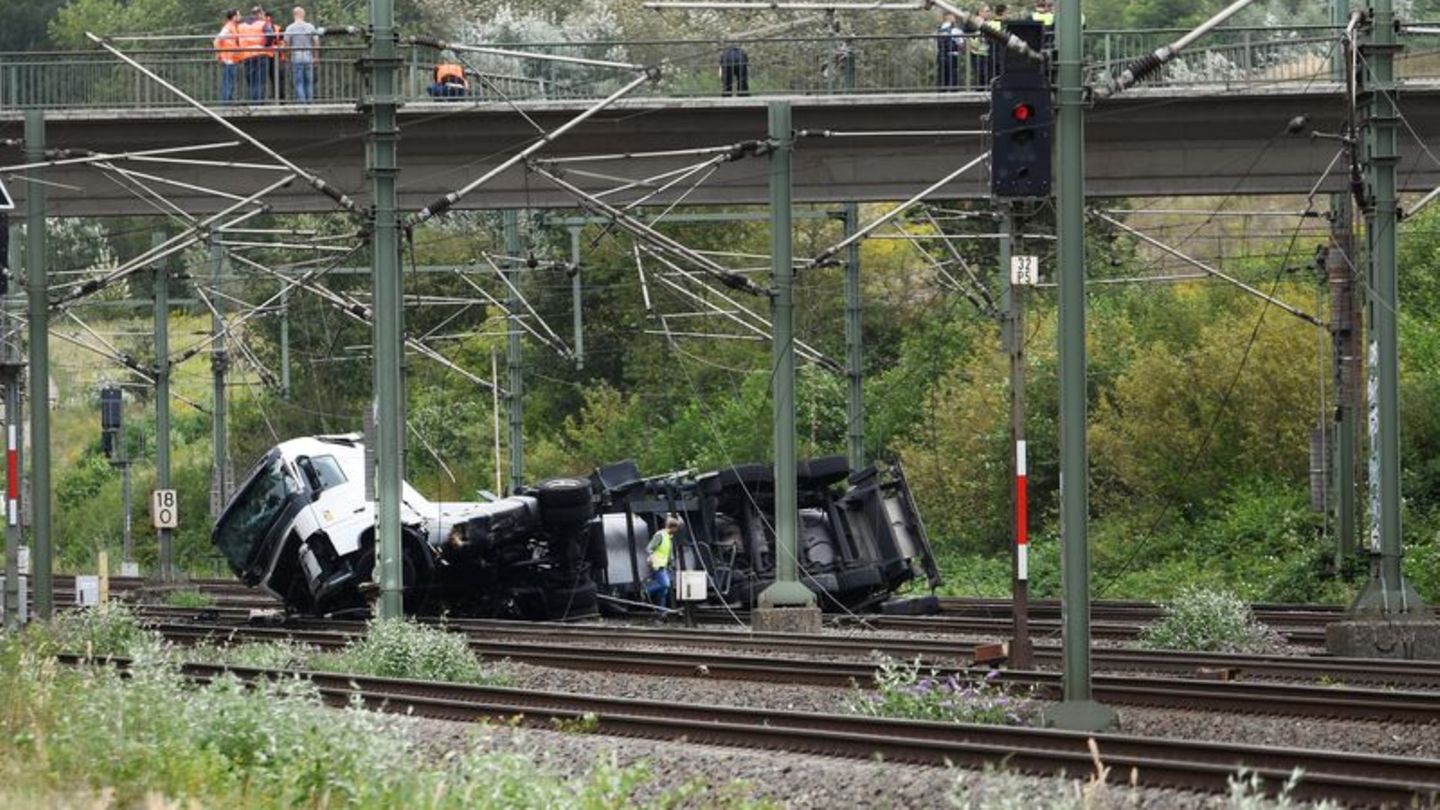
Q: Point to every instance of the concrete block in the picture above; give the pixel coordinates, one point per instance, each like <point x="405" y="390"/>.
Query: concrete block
<point x="1410" y="639"/>
<point x="785" y="620"/>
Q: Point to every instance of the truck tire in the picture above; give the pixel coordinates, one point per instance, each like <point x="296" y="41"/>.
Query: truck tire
<point x="562" y="492"/>
<point x="824" y="471"/>
<point x="570" y="603"/>
<point x="566" y="517"/>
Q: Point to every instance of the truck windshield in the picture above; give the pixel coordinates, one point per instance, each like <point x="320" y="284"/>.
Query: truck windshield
<point x="249" y="516"/>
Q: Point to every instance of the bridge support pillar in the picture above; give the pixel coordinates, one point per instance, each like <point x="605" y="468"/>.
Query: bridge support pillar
<point x="786" y="604"/>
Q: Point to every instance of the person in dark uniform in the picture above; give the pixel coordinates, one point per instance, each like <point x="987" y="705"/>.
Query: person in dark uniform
<point x="947" y="53"/>
<point x="734" y="71"/>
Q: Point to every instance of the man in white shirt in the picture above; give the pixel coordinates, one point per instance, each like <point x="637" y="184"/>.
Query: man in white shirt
<point x="302" y="40"/>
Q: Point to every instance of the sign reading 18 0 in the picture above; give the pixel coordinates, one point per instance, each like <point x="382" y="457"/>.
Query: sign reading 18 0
<point x="165" y="509"/>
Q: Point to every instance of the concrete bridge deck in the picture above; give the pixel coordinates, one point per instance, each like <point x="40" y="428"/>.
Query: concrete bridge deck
<point x="1148" y="142"/>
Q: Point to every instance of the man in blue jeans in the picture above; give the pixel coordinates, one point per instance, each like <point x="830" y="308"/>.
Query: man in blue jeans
<point x="657" y="585"/>
<point x="302" y="40"/>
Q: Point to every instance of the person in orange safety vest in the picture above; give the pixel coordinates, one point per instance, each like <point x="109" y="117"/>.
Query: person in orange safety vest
<point x="227" y="50"/>
<point x="450" y="81"/>
<point x="254" y="37"/>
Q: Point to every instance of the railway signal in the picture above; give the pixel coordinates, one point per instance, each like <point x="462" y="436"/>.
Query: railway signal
<point x="1021" y="132"/>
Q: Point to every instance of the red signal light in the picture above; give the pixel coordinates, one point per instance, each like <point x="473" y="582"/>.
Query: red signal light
<point x="1022" y="112"/>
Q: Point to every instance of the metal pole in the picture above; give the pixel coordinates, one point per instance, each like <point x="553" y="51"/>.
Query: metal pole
<point x="382" y="62"/>
<point x="14" y="376"/>
<point x="39" y="314"/>
<point x="219" y="362"/>
<point x="786" y="591"/>
<point x="1345" y="328"/>
<point x="285" y="343"/>
<point x="513" y="359"/>
<point x="578" y="301"/>
<point x="14" y="605"/>
<point x="1012" y="298"/>
<point x="1345" y="345"/>
<point x="162" y="400"/>
<point x="127" y="548"/>
<point x="1078" y="711"/>
<point x="495" y="412"/>
<point x="1387" y="592"/>
<point x="854" y="343"/>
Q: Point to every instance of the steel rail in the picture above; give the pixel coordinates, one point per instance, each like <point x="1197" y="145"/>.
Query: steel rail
<point x="1298" y="700"/>
<point x="1353" y="778"/>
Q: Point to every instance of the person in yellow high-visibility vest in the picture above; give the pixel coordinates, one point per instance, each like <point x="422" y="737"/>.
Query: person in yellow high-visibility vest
<point x="657" y="551"/>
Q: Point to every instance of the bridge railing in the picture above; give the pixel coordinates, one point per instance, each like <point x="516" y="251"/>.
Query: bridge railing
<point x="1234" y="57"/>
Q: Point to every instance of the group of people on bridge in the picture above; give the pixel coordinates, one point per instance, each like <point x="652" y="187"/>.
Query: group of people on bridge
<point x="952" y="43"/>
<point x="254" y="50"/>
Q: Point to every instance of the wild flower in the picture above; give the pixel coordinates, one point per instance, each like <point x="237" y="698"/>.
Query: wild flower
<point x="908" y="690"/>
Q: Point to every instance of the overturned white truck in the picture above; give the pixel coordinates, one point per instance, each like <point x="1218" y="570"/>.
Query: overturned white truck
<point x="302" y="529"/>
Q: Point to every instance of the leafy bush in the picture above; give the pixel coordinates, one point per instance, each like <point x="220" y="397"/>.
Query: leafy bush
<point x="1206" y="620"/>
<point x="115" y="631"/>
<point x="189" y="599"/>
<point x="910" y="692"/>
<point x="400" y="648"/>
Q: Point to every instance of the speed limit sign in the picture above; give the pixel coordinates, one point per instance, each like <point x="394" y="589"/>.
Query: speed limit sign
<point x="165" y="509"/>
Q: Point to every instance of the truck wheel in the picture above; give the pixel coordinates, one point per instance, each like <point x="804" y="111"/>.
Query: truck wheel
<point x="569" y="603"/>
<point x="558" y="492"/>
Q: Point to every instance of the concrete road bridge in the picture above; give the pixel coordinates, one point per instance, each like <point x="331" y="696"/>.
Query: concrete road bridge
<point x="877" y="128"/>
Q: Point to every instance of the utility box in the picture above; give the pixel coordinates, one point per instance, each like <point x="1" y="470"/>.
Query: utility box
<point x="692" y="586"/>
<point x="129" y="569"/>
<point x="24" y="595"/>
<point x="87" y="590"/>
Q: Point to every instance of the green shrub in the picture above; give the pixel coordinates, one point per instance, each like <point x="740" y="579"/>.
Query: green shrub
<point x="911" y="692"/>
<point x="115" y="631"/>
<point x="400" y="648"/>
<point x="189" y="599"/>
<point x="1207" y="620"/>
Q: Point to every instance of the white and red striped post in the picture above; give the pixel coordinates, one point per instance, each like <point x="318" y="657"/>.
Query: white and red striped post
<point x="12" y="476"/>
<point x="1022" y="532"/>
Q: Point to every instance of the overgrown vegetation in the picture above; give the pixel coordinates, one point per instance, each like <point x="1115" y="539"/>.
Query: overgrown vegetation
<point x="112" y="632"/>
<point x="89" y="737"/>
<point x="1208" y="620"/>
<point x="910" y="691"/>
<point x="189" y="599"/>
<point x="401" y="648"/>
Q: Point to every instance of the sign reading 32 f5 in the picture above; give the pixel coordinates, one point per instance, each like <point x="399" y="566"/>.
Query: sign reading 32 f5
<point x="165" y="509"/>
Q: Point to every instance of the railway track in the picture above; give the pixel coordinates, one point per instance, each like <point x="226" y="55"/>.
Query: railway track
<point x="1356" y="779"/>
<point x="1301" y="625"/>
<point x="1297" y="700"/>
<point x="1323" y="670"/>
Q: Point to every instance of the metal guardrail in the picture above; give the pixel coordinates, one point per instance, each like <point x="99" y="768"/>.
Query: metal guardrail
<point x="1234" y="57"/>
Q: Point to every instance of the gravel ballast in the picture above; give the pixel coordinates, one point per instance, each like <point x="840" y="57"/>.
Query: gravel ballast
<point x="793" y="780"/>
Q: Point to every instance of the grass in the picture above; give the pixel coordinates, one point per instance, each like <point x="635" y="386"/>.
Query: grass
<point x="189" y="599"/>
<point x="90" y="737"/>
